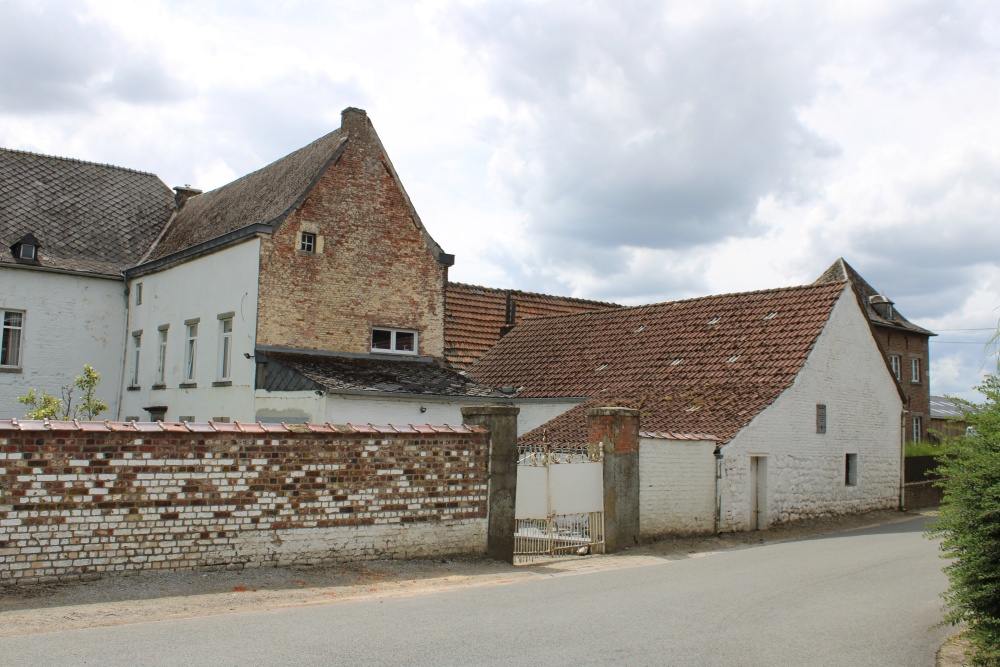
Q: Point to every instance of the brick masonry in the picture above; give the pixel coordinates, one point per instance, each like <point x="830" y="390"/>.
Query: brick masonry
<point x="78" y="503"/>
<point x="373" y="266"/>
<point x="909" y="345"/>
<point x="677" y="487"/>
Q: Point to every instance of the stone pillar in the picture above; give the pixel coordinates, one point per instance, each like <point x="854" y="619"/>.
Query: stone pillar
<point x="501" y="421"/>
<point x="616" y="430"/>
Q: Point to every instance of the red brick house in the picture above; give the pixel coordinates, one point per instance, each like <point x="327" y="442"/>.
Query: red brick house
<point x="905" y="345"/>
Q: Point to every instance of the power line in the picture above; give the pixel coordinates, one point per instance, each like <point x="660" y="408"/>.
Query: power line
<point x="985" y="329"/>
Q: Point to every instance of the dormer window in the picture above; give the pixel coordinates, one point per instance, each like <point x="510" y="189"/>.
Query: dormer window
<point x="25" y="249"/>
<point x="882" y="305"/>
<point x="394" y="341"/>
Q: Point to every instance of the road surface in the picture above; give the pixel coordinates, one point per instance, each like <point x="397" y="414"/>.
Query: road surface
<point x="866" y="597"/>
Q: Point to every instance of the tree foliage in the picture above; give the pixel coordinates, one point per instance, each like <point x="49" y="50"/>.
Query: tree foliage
<point x="42" y="405"/>
<point x="969" y="525"/>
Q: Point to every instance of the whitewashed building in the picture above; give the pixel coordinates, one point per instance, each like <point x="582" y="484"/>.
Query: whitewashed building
<point x="755" y="408"/>
<point x="68" y="229"/>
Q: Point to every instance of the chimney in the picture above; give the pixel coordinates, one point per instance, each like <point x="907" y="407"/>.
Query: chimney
<point x="354" y="121"/>
<point x="184" y="192"/>
<point x="510" y="317"/>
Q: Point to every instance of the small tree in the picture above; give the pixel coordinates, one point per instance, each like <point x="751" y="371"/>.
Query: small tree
<point x="43" y="405"/>
<point x="969" y="523"/>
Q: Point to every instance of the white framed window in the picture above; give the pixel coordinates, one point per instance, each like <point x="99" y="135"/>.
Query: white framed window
<point x="226" y="346"/>
<point x="896" y="362"/>
<point x="136" y="349"/>
<point x="28" y="251"/>
<point x="190" y="350"/>
<point x="161" y="357"/>
<point x="850" y="470"/>
<point x="914" y="370"/>
<point x="10" y="339"/>
<point x="917" y="429"/>
<point x="307" y="242"/>
<point x="821" y="418"/>
<point x="394" y="341"/>
<point x="138" y="294"/>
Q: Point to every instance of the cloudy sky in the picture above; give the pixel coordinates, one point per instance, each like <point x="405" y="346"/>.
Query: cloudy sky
<point x="632" y="151"/>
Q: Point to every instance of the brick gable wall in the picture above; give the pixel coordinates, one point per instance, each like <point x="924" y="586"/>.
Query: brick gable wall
<point x="372" y="267"/>
<point x="82" y="504"/>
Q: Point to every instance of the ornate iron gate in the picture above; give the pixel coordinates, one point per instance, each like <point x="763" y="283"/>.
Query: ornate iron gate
<point x="560" y="501"/>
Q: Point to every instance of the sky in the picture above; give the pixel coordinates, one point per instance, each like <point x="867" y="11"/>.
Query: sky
<point x="629" y="151"/>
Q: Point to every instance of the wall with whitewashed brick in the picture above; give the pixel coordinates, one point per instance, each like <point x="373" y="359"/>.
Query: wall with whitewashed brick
<point x="676" y="486"/>
<point x="69" y="321"/>
<point x="805" y="470"/>
<point x="84" y="503"/>
<point x="221" y="283"/>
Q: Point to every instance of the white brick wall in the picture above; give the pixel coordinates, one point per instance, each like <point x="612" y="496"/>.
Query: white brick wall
<point x="676" y="486"/>
<point x="69" y="321"/>
<point x="805" y="470"/>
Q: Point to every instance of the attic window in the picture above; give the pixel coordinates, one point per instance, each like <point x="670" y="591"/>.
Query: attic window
<point x="601" y="367"/>
<point x="714" y="320"/>
<point x="394" y="341"/>
<point x="640" y="329"/>
<point x="676" y="362"/>
<point x="771" y="315"/>
<point x="26" y="248"/>
<point x="732" y="358"/>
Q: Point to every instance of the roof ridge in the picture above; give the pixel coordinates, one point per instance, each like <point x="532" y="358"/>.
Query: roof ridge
<point x="773" y="290"/>
<point x="503" y="290"/>
<point x="79" y="161"/>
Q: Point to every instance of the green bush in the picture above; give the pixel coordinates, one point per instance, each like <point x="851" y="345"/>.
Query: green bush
<point x="969" y="525"/>
<point x="43" y="405"/>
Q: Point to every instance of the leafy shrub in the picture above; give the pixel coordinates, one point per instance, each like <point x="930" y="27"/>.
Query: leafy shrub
<point x="43" y="405"/>
<point x="969" y="525"/>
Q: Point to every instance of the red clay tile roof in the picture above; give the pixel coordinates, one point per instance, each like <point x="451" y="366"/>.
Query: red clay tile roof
<point x="474" y="315"/>
<point x="707" y="365"/>
<point x="88" y="217"/>
<point x="841" y="270"/>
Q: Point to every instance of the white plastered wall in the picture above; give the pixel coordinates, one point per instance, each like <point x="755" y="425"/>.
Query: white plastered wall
<point x="676" y="487"/>
<point x="806" y="470"/>
<point x="69" y="321"/>
<point x="203" y="288"/>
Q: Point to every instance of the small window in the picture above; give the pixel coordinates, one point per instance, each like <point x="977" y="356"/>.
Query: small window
<point x="308" y="243"/>
<point x="850" y="470"/>
<point x="821" y="419"/>
<point x="896" y="363"/>
<point x="161" y="357"/>
<point x="732" y="358"/>
<point x="394" y="341"/>
<point x="714" y="320"/>
<point x="917" y="429"/>
<point x="225" y="348"/>
<point x="138" y="294"/>
<point x="191" y="352"/>
<point x="28" y="252"/>
<point x="914" y="370"/>
<point x="771" y="315"/>
<point x="601" y="367"/>
<point x="136" y="348"/>
<point x="676" y="362"/>
<point x="13" y="334"/>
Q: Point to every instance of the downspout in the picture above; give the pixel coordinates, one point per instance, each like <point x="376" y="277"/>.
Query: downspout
<point x="902" y="460"/>
<point x="121" y="367"/>
<point x="718" y="489"/>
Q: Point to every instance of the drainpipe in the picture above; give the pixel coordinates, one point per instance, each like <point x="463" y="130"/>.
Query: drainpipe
<point x="718" y="489"/>
<point x="121" y="367"/>
<point x="902" y="460"/>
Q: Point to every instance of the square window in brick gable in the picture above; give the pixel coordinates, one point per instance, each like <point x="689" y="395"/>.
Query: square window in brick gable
<point x="307" y="242"/>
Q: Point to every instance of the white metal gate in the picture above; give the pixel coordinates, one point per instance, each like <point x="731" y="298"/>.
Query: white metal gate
<point x="560" y="501"/>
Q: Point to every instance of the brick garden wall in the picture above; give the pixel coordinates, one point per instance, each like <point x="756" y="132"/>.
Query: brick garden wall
<point x="83" y="500"/>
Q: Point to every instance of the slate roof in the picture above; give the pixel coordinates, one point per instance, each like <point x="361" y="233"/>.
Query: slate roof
<point x="841" y="270"/>
<point x="474" y="316"/>
<point x="366" y="374"/>
<point x="707" y="365"/>
<point x="88" y="217"/>
<point x="265" y="196"/>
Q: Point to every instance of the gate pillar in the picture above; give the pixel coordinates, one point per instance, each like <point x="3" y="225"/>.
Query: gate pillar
<point x="616" y="431"/>
<point x="501" y="422"/>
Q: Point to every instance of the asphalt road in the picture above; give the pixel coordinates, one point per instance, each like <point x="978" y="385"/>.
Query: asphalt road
<point x="862" y="598"/>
